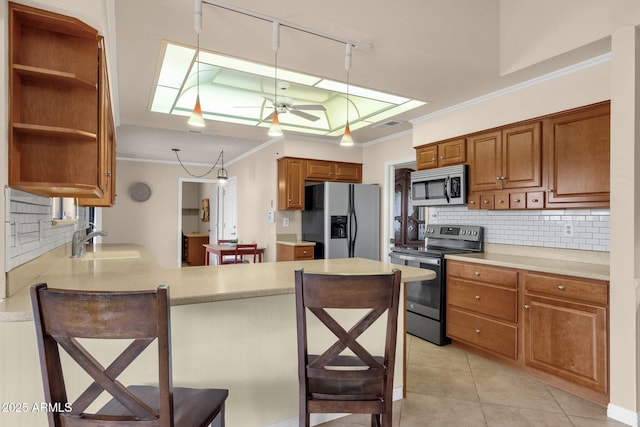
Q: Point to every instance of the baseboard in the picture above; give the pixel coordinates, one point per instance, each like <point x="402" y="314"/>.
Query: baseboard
<point x="323" y="418"/>
<point x="623" y="415"/>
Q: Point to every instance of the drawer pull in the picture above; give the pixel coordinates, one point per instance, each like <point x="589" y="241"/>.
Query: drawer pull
<point x="485" y="201"/>
<point x="535" y="200"/>
<point x="477" y="331"/>
<point x="477" y="273"/>
<point x="561" y="287"/>
<point x="526" y="306"/>
<point x="477" y="297"/>
<point x="517" y="200"/>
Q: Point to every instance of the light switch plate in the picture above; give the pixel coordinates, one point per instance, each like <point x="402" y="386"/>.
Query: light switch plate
<point x="285" y="222"/>
<point x="271" y="217"/>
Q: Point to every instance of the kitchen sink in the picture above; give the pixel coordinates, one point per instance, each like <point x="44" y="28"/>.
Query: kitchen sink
<point x="106" y="255"/>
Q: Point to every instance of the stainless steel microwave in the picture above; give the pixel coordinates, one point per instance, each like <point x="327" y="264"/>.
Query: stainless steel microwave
<point x="439" y="187"/>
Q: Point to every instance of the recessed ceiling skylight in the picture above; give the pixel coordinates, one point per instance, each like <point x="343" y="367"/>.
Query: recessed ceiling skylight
<point x="239" y="91"/>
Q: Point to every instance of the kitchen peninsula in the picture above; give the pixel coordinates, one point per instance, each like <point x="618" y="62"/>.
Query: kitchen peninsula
<point x="233" y="326"/>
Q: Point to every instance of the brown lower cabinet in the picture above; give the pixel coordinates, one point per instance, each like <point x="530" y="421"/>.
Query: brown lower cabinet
<point x="552" y="327"/>
<point x="193" y="248"/>
<point x="293" y="252"/>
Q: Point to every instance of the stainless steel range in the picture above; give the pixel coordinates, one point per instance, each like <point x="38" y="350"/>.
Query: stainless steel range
<point x="426" y="300"/>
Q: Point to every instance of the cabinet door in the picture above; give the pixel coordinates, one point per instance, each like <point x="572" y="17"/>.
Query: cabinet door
<point x="291" y="183"/>
<point x="484" y="162"/>
<point x="427" y="156"/>
<point x="577" y="153"/>
<point x="521" y="156"/>
<point x="452" y="152"/>
<point x="319" y="170"/>
<point x="348" y="172"/>
<point x="54" y="104"/>
<point x="567" y="339"/>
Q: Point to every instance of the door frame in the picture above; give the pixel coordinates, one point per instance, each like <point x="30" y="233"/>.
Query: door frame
<point x="181" y="181"/>
<point x="387" y="200"/>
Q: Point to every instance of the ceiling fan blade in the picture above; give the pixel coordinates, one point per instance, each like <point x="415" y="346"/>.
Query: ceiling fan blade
<point x="304" y="115"/>
<point x="317" y="107"/>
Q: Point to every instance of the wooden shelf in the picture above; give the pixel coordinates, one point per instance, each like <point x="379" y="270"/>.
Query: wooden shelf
<point x="53" y="131"/>
<point x="53" y="76"/>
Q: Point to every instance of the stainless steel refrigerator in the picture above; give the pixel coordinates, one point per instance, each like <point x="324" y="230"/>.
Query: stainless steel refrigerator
<point x="343" y="219"/>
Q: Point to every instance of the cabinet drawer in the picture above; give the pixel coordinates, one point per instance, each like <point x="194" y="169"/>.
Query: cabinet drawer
<point x="303" y="252"/>
<point x="477" y="272"/>
<point x="567" y="287"/>
<point x="493" y="301"/>
<point x="489" y="334"/>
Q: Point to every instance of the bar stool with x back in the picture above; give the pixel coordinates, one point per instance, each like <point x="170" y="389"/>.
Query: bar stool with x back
<point x="335" y="383"/>
<point x="62" y="317"/>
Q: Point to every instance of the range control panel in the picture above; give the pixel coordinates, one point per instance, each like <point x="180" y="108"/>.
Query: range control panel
<point x="455" y="232"/>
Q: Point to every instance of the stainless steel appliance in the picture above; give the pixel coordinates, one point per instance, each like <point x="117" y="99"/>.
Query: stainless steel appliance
<point x="426" y="300"/>
<point x="343" y="219"/>
<point x="439" y="187"/>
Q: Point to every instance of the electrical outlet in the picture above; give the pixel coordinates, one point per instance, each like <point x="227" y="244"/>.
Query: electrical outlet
<point x="567" y="229"/>
<point x="433" y="214"/>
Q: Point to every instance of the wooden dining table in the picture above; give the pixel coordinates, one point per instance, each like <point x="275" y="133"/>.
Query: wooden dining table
<point x="225" y="250"/>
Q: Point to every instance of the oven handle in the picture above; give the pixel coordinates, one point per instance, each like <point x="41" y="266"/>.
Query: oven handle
<point x="424" y="260"/>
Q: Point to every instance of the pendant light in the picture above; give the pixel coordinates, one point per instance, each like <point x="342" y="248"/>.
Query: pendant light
<point x="347" y="140"/>
<point x="197" y="119"/>
<point x="222" y="177"/>
<point x="275" y="129"/>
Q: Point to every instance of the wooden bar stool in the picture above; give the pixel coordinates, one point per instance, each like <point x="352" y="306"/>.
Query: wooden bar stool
<point x="63" y="316"/>
<point x="358" y="382"/>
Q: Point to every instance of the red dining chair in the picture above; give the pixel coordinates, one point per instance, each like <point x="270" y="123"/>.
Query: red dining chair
<point x="229" y="259"/>
<point x="246" y="250"/>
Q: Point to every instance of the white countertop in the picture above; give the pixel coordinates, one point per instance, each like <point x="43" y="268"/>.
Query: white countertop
<point x="189" y="285"/>
<point x="588" y="270"/>
<point x="295" y="243"/>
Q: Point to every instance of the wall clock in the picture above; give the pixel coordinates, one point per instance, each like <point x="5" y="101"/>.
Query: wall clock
<point x="139" y="192"/>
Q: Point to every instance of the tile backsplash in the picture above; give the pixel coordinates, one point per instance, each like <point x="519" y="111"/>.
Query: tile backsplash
<point x="29" y="231"/>
<point x="584" y="229"/>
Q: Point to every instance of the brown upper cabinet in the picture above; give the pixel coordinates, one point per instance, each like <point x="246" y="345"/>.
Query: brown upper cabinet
<point x="577" y="156"/>
<point x="556" y="161"/>
<point x="506" y="159"/>
<point x="323" y="170"/>
<point x="446" y="153"/>
<point x="56" y="147"/>
<point x="293" y="172"/>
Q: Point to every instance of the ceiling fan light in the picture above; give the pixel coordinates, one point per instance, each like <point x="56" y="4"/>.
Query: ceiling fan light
<point x="275" y="129"/>
<point x="197" y="119"/>
<point x="347" y="140"/>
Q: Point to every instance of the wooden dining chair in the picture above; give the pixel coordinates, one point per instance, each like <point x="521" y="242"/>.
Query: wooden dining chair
<point x="246" y="250"/>
<point x="64" y="317"/>
<point x="357" y="382"/>
<point x="227" y="259"/>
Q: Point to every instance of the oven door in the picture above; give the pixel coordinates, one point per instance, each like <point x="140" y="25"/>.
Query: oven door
<point x="423" y="297"/>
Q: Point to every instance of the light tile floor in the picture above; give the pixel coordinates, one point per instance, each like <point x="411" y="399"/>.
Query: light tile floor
<point x="447" y="386"/>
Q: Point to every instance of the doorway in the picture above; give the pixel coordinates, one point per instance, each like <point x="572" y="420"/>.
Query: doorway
<point x="197" y="207"/>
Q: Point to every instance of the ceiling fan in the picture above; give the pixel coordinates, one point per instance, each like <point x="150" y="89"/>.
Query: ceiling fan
<point x="285" y="105"/>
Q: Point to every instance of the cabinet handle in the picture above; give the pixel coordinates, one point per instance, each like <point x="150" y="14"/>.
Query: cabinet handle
<point x="433" y="159"/>
<point x="551" y="190"/>
<point x="477" y="297"/>
<point x="473" y="202"/>
<point x="502" y="178"/>
<point x="477" y="273"/>
<point x="442" y="157"/>
<point x="517" y="200"/>
<point x="500" y="201"/>
<point x="561" y="287"/>
<point x="535" y="200"/>
<point x="477" y="331"/>
<point x="526" y="306"/>
<point x="485" y="201"/>
<point x="497" y="178"/>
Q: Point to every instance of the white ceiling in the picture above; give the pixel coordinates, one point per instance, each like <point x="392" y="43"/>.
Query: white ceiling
<point x="437" y="51"/>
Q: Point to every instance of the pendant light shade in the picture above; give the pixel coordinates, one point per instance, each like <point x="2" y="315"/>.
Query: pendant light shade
<point x="196" y="119"/>
<point x="347" y="140"/>
<point x="275" y="129"/>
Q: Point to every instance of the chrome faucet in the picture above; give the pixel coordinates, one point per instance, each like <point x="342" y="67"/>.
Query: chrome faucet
<point x="80" y="237"/>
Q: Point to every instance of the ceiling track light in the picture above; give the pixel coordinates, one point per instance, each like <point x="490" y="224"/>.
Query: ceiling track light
<point x="197" y="119"/>
<point x="275" y="129"/>
<point x="223" y="175"/>
<point x="347" y="139"/>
